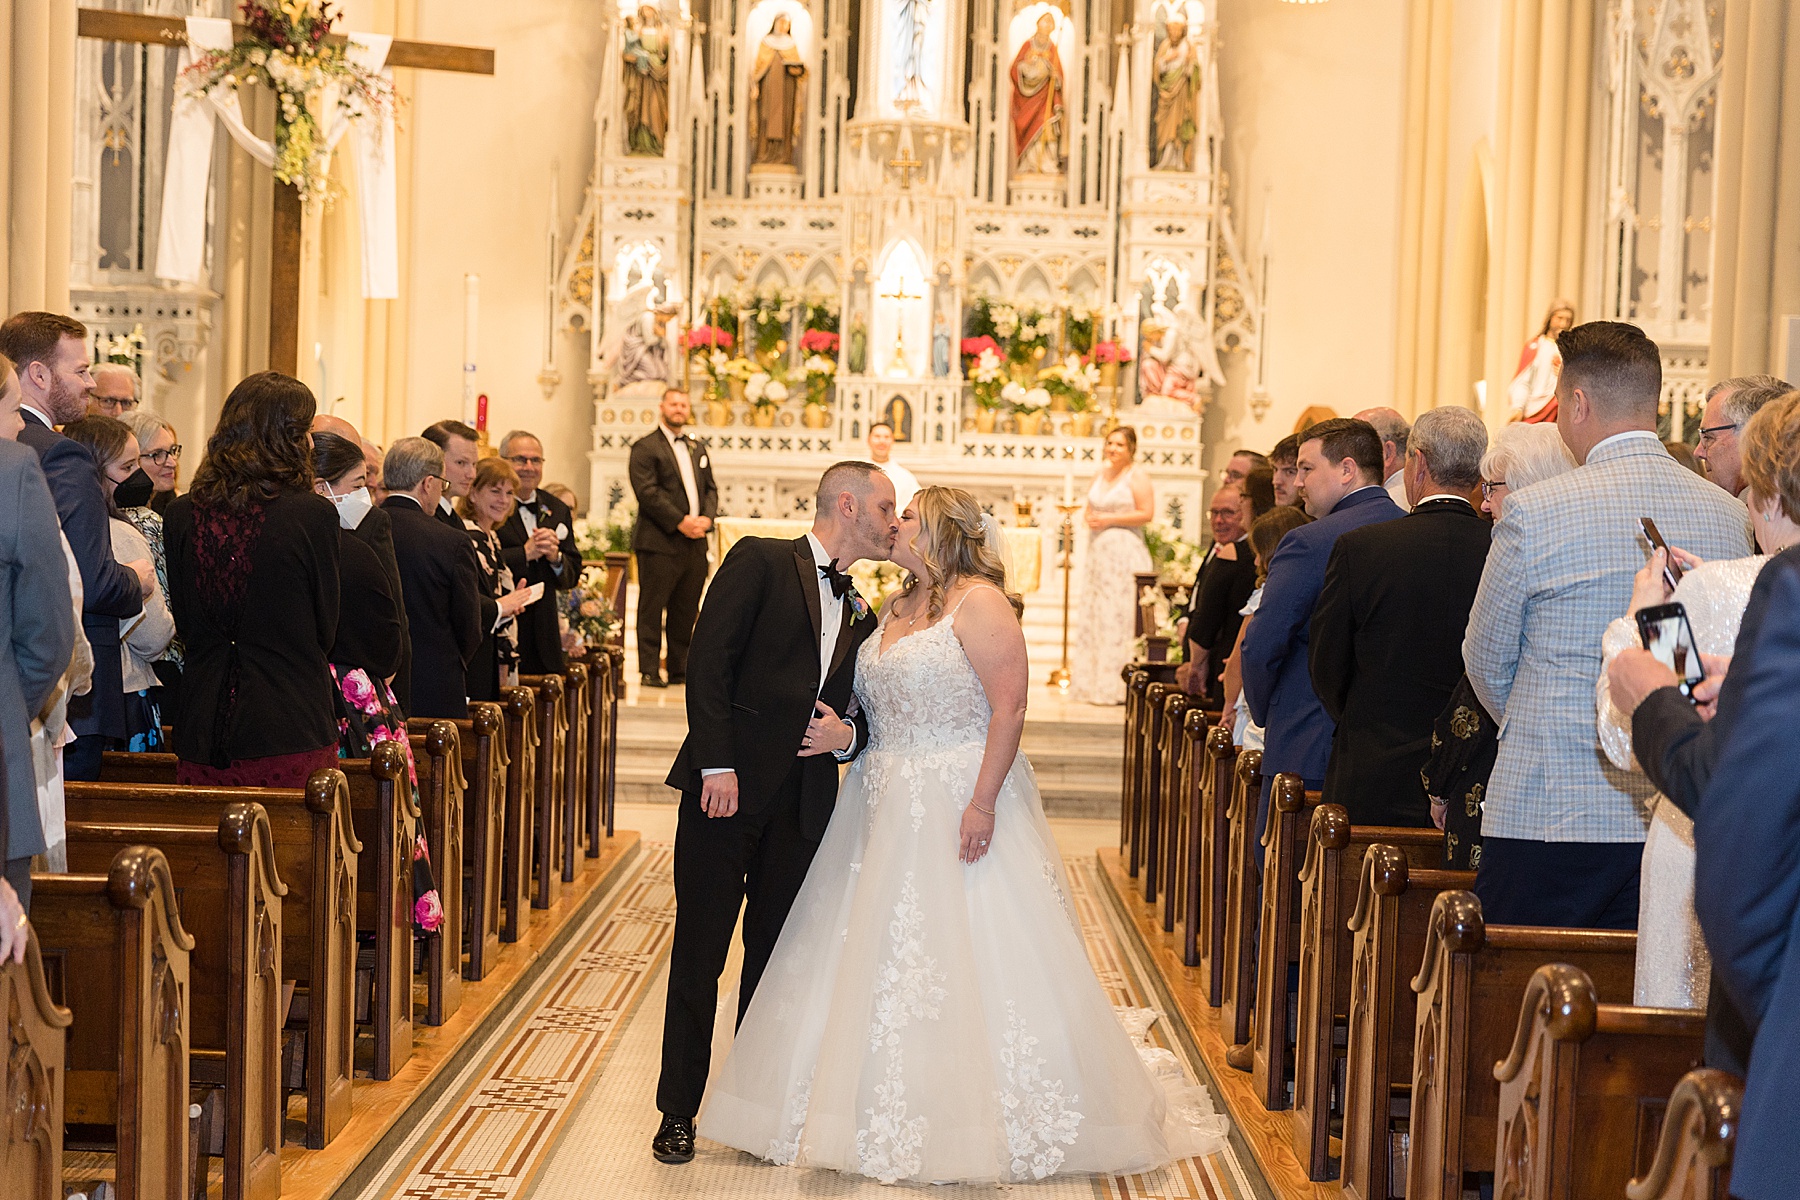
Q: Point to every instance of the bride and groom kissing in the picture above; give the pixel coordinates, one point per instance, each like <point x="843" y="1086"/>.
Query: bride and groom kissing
<point x="916" y="1001"/>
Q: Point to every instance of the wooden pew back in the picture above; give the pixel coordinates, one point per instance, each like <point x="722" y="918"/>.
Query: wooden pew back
<point x="34" y="1028"/>
<point x="1237" y="987"/>
<point x="1278" y="936"/>
<point x="1205" y="937"/>
<point x="519" y="707"/>
<point x="481" y="743"/>
<point x="576" y="699"/>
<point x="1699" y="1133"/>
<point x="438" y="753"/>
<point x="550" y="801"/>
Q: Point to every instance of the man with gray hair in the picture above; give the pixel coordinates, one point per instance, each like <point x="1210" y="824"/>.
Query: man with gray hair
<point x="117" y="390"/>
<point x="1394" y="431"/>
<point x="1386" y="644"/>
<point x="438" y="581"/>
<point x="1730" y="403"/>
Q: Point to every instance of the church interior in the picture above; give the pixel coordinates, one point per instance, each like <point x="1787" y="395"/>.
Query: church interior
<point x="1002" y="230"/>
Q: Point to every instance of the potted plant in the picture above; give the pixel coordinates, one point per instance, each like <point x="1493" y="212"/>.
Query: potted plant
<point x="1032" y="410"/>
<point x="820" y="371"/>
<point x="1108" y="355"/>
<point x="987" y="378"/>
<point x="1071" y="388"/>
<point x="765" y="393"/>
<point x="737" y="373"/>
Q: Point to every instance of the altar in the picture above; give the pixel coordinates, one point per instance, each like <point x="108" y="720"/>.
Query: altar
<point x="996" y="226"/>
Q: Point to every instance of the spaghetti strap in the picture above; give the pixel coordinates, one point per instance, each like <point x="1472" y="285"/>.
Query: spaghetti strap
<point x="977" y="588"/>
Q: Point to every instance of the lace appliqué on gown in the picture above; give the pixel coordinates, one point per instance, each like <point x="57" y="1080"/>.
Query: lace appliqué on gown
<point x="1039" y="1119"/>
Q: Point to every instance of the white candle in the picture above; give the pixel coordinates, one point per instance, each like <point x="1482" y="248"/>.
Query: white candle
<point x="550" y="279"/>
<point x="471" y="308"/>
<point x="1068" y="475"/>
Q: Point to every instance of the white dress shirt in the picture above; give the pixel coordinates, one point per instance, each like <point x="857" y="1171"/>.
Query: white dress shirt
<point x="1396" y="488"/>
<point x="39" y="413"/>
<point x="684" y="462"/>
<point x="528" y="512"/>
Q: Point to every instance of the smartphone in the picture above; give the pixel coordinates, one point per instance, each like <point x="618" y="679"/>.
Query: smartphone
<point x="1668" y="636"/>
<point x="1671" y="568"/>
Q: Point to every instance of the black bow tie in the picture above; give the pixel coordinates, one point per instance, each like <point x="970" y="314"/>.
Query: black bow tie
<point x="840" y="582"/>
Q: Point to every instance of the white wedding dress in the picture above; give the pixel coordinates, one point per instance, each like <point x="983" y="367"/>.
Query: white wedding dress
<point x="930" y="1021"/>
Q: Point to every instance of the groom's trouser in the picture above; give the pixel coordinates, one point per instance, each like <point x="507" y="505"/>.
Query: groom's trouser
<point x="755" y="860"/>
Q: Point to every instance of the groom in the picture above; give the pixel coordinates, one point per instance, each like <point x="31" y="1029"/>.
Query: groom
<point x="769" y="672"/>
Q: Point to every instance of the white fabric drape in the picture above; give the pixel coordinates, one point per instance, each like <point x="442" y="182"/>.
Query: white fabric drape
<point x="181" y="239"/>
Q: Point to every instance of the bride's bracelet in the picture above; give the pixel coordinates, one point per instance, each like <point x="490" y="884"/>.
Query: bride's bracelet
<point x="979" y="809"/>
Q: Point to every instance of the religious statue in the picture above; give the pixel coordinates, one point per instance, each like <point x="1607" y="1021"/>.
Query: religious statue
<point x="1533" y="389"/>
<point x="1175" y="78"/>
<point x="910" y="17"/>
<point x="1037" y="103"/>
<point x="858" y="358"/>
<point x="646" y="81"/>
<point x="940" y="345"/>
<point x="644" y="350"/>
<point x="1172" y="364"/>
<point x="777" y="98"/>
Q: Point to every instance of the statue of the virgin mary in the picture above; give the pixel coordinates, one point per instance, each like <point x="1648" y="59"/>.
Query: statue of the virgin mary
<point x="777" y="97"/>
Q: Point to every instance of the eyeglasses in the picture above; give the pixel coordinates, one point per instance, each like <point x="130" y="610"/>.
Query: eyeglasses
<point x="1216" y="513"/>
<point x="164" y="457"/>
<point x="1712" y="433"/>
<point x="441" y="480"/>
<point x="522" y="460"/>
<point x="1488" y="489"/>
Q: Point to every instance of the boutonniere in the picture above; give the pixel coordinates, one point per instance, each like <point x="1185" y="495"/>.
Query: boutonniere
<point x="859" y="608"/>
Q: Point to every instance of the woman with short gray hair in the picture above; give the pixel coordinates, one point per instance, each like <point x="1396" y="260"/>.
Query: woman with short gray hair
<point x="158" y="453"/>
<point x="1521" y="455"/>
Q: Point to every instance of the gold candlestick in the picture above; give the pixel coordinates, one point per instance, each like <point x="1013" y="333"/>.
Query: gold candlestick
<point x="1059" y="678"/>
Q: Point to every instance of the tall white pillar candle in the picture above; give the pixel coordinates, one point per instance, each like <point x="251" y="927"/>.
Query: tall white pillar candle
<point x="471" y="310"/>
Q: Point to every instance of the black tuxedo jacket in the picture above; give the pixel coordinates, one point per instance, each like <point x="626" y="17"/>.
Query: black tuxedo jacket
<point x="540" y="636"/>
<point x="376" y="531"/>
<point x="1386" y="652"/>
<point x="109" y="588"/>
<point x="753" y="673"/>
<point x="438" y="586"/>
<point x="662" y="501"/>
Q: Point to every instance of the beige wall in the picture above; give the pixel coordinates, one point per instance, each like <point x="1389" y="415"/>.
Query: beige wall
<point x="1312" y="101"/>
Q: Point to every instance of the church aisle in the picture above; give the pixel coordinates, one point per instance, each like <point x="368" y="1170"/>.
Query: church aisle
<point x="561" y="1106"/>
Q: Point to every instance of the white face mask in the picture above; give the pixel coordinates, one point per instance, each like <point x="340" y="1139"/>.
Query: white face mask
<point x="353" y="507"/>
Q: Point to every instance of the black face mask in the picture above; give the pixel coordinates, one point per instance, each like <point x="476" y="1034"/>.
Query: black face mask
<point x="135" y="492"/>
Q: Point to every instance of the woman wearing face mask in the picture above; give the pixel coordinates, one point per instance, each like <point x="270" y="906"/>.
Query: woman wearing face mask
<point x="487" y="506"/>
<point x="367" y="650"/>
<point x="159" y="454"/>
<point x="143" y="638"/>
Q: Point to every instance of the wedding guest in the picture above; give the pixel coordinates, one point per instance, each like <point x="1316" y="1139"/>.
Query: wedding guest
<point x="1224" y="581"/>
<point x="460" y="444"/>
<point x="1256" y="495"/>
<point x="881" y="453"/>
<point x="1562" y="829"/>
<point x="361" y="516"/>
<point x="1394" y="431"/>
<point x="1465" y="738"/>
<point x="146" y="637"/>
<point x="39" y="618"/>
<point x="484" y="510"/>
<point x="566" y="494"/>
<point x="366" y="654"/>
<point x="671" y="476"/>
<point x="373" y="455"/>
<point x="438" y="584"/>
<point x="1120" y="502"/>
<point x="116" y="391"/>
<point x="159" y="454"/>
<point x="539" y="544"/>
<point x="1340" y="478"/>
<point x="50" y="355"/>
<point x="1265" y="536"/>
<point x="1284" y="460"/>
<point x="254" y="577"/>
<point x="1241" y="463"/>
<point x="1385" y="647"/>
<point x="1730" y="403"/>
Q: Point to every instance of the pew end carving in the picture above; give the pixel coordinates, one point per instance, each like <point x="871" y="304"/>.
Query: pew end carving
<point x="1699" y="1133"/>
<point x="35" y="1043"/>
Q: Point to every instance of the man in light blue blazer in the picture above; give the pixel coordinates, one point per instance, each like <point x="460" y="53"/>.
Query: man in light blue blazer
<point x="1562" y="828"/>
<point x="1340" y="473"/>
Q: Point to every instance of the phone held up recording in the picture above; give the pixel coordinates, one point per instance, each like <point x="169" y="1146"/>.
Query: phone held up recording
<point x="1669" y="637"/>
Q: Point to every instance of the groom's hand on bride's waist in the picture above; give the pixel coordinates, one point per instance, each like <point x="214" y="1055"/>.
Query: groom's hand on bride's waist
<point x="719" y="794"/>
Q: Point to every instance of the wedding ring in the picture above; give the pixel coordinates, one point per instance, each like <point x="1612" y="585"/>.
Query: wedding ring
<point x="20" y="923"/>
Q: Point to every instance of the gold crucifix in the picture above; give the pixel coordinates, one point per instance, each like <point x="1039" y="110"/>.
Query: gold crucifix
<point x="906" y="164"/>
<point x="900" y="296"/>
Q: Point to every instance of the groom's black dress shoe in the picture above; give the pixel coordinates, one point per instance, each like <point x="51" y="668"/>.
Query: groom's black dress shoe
<point x="654" y="681"/>
<point x="674" y="1142"/>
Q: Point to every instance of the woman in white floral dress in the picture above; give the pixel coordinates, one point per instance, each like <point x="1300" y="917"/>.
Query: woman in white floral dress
<point x="930" y="1014"/>
<point x="1119" y="504"/>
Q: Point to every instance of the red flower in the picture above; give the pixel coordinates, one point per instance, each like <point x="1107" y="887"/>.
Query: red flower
<point x="1111" y="352"/>
<point x="707" y="335"/>
<point x="972" y="347"/>
<point x="819" y="341"/>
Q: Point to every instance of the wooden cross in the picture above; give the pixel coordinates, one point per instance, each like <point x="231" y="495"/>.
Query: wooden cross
<point x="284" y="234"/>
<point x="906" y="164"/>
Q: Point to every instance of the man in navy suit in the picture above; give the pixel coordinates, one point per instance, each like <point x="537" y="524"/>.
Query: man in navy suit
<point x="1339" y="472"/>
<point x="50" y="354"/>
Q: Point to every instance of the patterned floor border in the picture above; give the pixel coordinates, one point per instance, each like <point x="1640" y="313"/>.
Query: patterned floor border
<point x="495" y="1131"/>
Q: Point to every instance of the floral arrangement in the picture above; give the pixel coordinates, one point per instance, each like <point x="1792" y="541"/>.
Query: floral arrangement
<point x="125" y="349"/>
<point x="973" y="346"/>
<point x="877" y="581"/>
<point x="1024" y="399"/>
<point x="288" y="52"/>
<point x="987" y="375"/>
<point x="1079" y="324"/>
<point x="820" y="370"/>
<point x="1177" y="560"/>
<point x="717" y="365"/>
<point x="707" y="337"/>
<point x="820" y="341"/>
<point x="1072" y="381"/>
<point x="1111" y="352"/>
<point x="765" y="390"/>
<point x="595" y="539"/>
<point x="590" y="613"/>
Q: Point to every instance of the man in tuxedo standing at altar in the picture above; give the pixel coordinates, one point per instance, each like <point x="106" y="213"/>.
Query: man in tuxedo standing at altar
<point x="671" y="476"/>
<point x="538" y="543"/>
<point x="774" y="658"/>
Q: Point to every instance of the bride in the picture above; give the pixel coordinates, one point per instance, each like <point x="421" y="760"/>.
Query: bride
<point x="929" y="1013"/>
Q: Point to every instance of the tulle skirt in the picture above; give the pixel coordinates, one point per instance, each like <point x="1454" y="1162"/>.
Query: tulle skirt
<point x="928" y="1021"/>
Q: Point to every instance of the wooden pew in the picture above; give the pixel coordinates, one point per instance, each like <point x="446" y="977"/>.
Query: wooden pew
<point x="519" y="710"/>
<point x="593" y="798"/>
<point x="1164" y="799"/>
<point x="1329" y="880"/>
<point x="385" y="818"/>
<point x="1278" y="936"/>
<point x="315" y="851"/>
<point x="231" y="901"/>
<point x="1184" y="770"/>
<point x="115" y="954"/>
<point x="1585" y="1086"/>
<point x="575" y="764"/>
<point x="1469" y="986"/>
<point x="481" y="742"/>
<point x="551" y="799"/>
<point x="1204" y="937"/>
<point x="34" y="1029"/>
<point x="617" y="694"/>
<point x="1149" y="784"/>
<point x="1388" y="928"/>
<point x="1134" y="745"/>
<point x="437" y="754"/>
<point x="1699" y="1133"/>
<point x="1237" y="987"/>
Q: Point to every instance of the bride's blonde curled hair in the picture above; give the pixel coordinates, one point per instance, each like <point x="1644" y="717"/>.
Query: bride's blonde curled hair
<point x="956" y="540"/>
